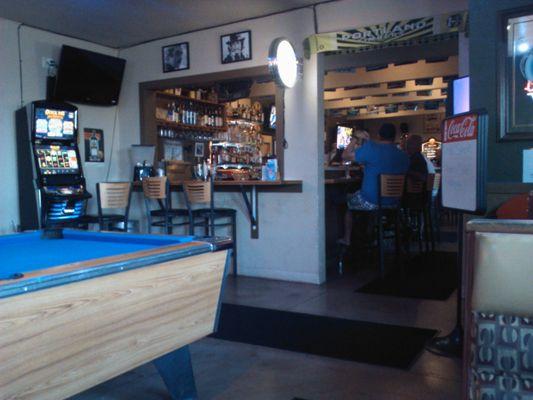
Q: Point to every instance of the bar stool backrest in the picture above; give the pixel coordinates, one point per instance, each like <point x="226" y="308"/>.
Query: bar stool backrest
<point x="155" y="188"/>
<point x="197" y="192"/>
<point x="113" y="194"/>
<point x="392" y="185"/>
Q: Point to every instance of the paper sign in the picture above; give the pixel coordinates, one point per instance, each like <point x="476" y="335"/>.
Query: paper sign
<point x="460" y="162"/>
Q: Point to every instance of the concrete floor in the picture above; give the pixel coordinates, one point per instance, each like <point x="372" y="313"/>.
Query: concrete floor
<point x="228" y="370"/>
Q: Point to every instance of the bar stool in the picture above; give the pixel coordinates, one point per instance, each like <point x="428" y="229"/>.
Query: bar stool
<point x="111" y="196"/>
<point x="390" y="186"/>
<point x="201" y="193"/>
<point x="157" y="189"/>
<point x="418" y="204"/>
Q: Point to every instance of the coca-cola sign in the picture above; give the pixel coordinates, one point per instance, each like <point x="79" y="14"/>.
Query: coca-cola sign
<point x="463" y="127"/>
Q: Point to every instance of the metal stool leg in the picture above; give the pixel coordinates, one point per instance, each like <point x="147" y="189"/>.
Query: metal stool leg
<point x="380" y="245"/>
<point x="234" y="238"/>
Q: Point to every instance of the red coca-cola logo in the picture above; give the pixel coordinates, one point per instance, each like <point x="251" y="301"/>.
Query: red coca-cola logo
<point x="460" y="128"/>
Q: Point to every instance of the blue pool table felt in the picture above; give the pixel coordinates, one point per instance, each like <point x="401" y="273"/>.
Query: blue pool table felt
<point x="26" y="252"/>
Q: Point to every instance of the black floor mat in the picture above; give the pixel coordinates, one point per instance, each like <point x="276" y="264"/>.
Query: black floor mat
<point x="367" y="342"/>
<point x="427" y="276"/>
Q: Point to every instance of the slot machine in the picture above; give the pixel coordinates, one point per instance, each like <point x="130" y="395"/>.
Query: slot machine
<point x="52" y="190"/>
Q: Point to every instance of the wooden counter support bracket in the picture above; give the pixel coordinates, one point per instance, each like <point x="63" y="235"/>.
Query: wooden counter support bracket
<point x="251" y="205"/>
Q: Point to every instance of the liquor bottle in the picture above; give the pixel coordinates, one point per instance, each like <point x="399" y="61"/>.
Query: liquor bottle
<point x="175" y="112"/>
<point x="183" y="113"/>
<point x="217" y="118"/>
<point x="169" y="112"/>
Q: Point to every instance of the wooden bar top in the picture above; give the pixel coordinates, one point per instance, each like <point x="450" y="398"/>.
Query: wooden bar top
<point x="257" y="183"/>
<point x="343" y="180"/>
<point x="294" y="186"/>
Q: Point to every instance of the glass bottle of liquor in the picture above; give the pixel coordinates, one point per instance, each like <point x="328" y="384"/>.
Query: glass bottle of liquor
<point x="169" y="112"/>
<point x="183" y="113"/>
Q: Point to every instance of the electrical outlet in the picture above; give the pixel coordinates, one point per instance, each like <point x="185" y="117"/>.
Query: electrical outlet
<point x="47" y="62"/>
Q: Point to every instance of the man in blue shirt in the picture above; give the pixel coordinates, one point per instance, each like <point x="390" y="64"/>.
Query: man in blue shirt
<point x="379" y="157"/>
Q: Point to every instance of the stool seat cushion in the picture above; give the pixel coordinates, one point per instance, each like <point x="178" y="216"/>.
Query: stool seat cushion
<point x="172" y="212"/>
<point x="220" y="212"/>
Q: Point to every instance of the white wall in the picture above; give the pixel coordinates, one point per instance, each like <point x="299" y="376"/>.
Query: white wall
<point x="36" y="45"/>
<point x="9" y="101"/>
<point x="290" y="224"/>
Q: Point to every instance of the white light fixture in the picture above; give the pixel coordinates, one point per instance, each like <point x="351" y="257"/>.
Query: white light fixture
<point x="523" y="47"/>
<point x="283" y="63"/>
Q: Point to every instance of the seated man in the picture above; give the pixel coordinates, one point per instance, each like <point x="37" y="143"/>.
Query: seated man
<point x="418" y="168"/>
<point x="379" y="157"/>
<point x="417" y="171"/>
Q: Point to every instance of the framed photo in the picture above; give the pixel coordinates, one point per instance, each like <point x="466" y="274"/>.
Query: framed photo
<point x="515" y="76"/>
<point x="198" y="149"/>
<point x="175" y="57"/>
<point x="94" y="144"/>
<point x="236" y="47"/>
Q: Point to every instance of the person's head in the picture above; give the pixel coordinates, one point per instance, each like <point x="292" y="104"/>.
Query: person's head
<point x="387" y="132"/>
<point x="404" y="128"/>
<point x="413" y="144"/>
<point x="360" y="136"/>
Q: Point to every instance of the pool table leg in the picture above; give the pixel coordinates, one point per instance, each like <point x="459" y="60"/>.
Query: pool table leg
<point x="176" y="370"/>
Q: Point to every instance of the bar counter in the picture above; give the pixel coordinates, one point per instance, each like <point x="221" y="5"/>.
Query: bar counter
<point x="249" y="190"/>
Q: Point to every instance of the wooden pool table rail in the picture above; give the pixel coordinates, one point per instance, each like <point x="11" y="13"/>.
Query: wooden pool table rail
<point x="59" y="341"/>
<point x="72" y="272"/>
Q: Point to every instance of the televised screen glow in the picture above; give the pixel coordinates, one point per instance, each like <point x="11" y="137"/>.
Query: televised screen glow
<point x="461" y="95"/>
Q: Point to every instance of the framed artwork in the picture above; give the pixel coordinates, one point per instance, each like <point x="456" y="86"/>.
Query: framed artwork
<point x="175" y="57"/>
<point x="236" y="47"/>
<point x="94" y="144"/>
<point x="198" y="149"/>
<point x="515" y="76"/>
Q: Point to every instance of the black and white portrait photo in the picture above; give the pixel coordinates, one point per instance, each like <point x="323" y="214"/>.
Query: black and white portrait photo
<point x="236" y="47"/>
<point x="176" y="57"/>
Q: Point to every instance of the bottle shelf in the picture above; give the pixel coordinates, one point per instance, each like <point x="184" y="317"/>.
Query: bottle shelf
<point x="243" y="121"/>
<point x="177" y="125"/>
<point x="186" y="98"/>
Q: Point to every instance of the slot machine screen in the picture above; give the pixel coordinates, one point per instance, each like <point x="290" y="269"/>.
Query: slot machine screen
<point x="344" y="135"/>
<point x="55" y="124"/>
<point x="57" y="160"/>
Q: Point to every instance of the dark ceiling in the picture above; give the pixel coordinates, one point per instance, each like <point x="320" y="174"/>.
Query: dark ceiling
<point x="124" y="23"/>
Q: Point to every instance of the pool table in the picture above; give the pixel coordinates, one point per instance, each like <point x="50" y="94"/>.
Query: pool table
<point x="82" y="307"/>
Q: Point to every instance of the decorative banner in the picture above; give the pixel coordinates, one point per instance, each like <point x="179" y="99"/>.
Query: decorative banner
<point x="464" y="162"/>
<point x="94" y="144"/>
<point x="387" y="33"/>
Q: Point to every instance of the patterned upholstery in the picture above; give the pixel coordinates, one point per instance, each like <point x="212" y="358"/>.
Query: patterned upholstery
<point x="501" y="357"/>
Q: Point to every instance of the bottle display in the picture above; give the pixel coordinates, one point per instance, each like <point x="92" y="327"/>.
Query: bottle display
<point x="232" y="131"/>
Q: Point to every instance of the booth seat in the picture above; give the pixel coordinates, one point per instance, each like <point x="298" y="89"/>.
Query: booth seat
<point x="498" y="275"/>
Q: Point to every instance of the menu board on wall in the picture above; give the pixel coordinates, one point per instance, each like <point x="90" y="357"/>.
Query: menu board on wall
<point x="464" y="162"/>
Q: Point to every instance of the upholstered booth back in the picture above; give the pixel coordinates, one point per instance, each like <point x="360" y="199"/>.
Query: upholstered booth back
<point x="499" y="310"/>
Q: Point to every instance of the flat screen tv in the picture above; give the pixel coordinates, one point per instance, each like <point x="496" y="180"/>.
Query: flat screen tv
<point x="344" y="136"/>
<point x="461" y="95"/>
<point x="88" y="77"/>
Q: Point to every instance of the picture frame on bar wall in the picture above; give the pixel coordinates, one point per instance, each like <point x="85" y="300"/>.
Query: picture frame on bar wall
<point x="236" y="47"/>
<point x="175" y="57"/>
<point x="515" y="76"/>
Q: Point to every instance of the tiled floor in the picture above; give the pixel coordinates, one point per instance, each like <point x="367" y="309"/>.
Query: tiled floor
<point x="227" y="370"/>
